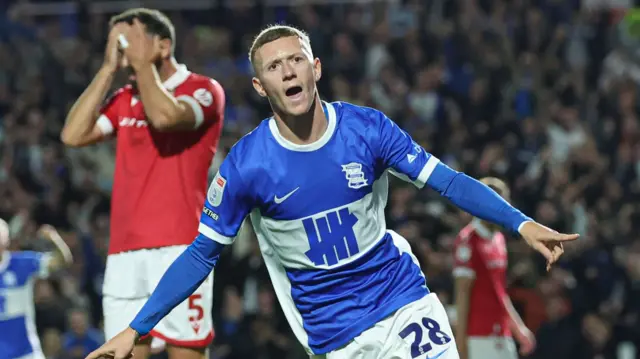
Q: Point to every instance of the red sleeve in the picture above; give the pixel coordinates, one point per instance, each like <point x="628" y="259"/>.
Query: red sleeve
<point x="464" y="257"/>
<point x="206" y="98"/>
<point x="108" y="119"/>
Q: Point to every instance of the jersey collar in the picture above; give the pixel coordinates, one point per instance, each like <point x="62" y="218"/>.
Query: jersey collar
<point x="481" y="229"/>
<point x="330" y="112"/>
<point x="175" y="80"/>
<point x="4" y="262"/>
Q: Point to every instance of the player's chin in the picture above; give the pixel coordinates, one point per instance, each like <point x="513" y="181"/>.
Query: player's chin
<point x="297" y="108"/>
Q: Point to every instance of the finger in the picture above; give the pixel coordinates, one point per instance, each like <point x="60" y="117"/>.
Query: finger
<point x="546" y="252"/>
<point x="137" y="24"/>
<point x="99" y="353"/>
<point x="561" y="237"/>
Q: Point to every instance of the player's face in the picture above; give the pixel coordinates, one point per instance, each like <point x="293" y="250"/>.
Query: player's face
<point x="287" y="74"/>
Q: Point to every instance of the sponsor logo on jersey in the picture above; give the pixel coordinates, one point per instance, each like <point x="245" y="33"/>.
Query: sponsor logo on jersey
<point x="216" y="190"/>
<point x="209" y="213"/>
<point x="355" y="175"/>
<point x="132" y="122"/>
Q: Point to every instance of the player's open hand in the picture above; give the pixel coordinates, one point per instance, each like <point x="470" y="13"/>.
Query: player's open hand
<point x="142" y="48"/>
<point x="119" y="347"/>
<point x="546" y="241"/>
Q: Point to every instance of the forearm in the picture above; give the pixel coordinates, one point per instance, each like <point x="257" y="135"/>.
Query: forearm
<point x="160" y="106"/>
<point x="462" y="314"/>
<point x="182" y="278"/>
<point x="475" y="197"/>
<point x="82" y="117"/>
<point x="515" y="322"/>
<point x="62" y="252"/>
<point x="61" y="255"/>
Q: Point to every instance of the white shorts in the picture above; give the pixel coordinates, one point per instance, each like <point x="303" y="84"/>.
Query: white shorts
<point x="419" y="330"/>
<point x="129" y="280"/>
<point x="492" y="347"/>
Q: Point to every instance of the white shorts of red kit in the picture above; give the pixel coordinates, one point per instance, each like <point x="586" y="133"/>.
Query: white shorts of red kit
<point x="494" y="347"/>
<point x="129" y="280"/>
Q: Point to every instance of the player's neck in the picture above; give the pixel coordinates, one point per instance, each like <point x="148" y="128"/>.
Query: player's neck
<point x="306" y="128"/>
<point x="167" y="69"/>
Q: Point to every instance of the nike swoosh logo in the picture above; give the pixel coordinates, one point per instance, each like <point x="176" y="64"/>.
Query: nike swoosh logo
<point x="282" y="199"/>
<point x="437" y="355"/>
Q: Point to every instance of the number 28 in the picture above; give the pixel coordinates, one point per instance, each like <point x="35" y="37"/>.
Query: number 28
<point x="436" y="336"/>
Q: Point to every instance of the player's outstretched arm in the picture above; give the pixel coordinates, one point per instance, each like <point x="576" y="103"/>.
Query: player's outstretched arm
<point x="481" y="201"/>
<point x="80" y="127"/>
<point x="411" y="162"/>
<point x="182" y="278"/>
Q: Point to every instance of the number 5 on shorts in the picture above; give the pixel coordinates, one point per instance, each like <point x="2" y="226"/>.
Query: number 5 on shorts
<point x="436" y="336"/>
<point x="194" y="304"/>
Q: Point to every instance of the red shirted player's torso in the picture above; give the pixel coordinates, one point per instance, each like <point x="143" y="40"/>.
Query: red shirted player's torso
<point x="161" y="177"/>
<point x="483" y="254"/>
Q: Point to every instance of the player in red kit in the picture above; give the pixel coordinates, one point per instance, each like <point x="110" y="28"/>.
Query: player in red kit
<point x="167" y="124"/>
<point x="486" y="318"/>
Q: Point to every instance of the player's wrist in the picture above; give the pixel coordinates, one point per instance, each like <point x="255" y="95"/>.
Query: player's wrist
<point x="134" y="333"/>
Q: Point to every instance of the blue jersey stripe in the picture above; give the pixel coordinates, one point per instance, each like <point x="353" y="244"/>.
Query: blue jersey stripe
<point x="338" y="304"/>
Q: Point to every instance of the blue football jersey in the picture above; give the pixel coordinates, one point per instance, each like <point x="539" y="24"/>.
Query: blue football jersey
<point x="318" y="213"/>
<point x="19" y="338"/>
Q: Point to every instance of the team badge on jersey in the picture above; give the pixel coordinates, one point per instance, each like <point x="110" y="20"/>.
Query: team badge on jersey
<point x="9" y="279"/>
<point x="355" y="175"/>
<point x="204" y="97"/>
<point x="216" y="190"/>
<point x="463" y="253"/>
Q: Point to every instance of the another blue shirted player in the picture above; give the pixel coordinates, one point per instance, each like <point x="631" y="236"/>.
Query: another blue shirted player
<point x="314" y="179"/>
<point x="18" y="336"/>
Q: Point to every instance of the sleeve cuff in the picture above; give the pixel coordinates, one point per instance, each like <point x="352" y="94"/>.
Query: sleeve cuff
<point x="44" y="265"/>
<point x="195" y="106"/>
<point x="426" y="172"/>
<point x="104" y="124"/>
<point x="522" y="224"/>
<point x="464" y="272"/>
<point x="213" y="235"/>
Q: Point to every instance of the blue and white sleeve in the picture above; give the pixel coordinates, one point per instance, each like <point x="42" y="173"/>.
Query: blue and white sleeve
<point x="406" y="159"/>
<point x="225" y="208"/>
<point x="400" y="153"/>
<point x="228" y="204"/>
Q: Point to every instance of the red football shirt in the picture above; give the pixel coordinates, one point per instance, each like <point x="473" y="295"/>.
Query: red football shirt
<point x="482" y="254"/>
<point x="161" y="177"/>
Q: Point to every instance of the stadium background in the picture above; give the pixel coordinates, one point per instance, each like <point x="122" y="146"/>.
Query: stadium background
<point x="539" y="93"/>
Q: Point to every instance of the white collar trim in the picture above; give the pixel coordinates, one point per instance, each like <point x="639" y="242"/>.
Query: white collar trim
<point x="328" y="133"/>
<point x="481" y="229"/>
<point x="4" y="262"/>
<point x="175" y="80"/>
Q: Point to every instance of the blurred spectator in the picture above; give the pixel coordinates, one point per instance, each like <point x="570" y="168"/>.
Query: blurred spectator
<point x="81" y="339"/>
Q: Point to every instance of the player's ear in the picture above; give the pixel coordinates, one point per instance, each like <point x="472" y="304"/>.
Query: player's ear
<point x="317" y="69"/>
<point x="257" y="85"/>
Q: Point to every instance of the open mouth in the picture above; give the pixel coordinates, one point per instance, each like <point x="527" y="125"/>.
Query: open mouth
<point x="293" y="91"/>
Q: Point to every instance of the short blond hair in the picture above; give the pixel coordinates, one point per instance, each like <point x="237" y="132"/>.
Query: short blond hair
<point x="272" y="33"/>
<point x="497" y="185"/>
